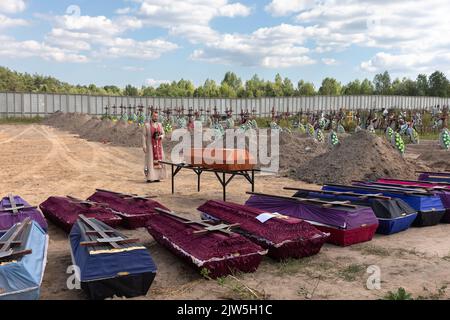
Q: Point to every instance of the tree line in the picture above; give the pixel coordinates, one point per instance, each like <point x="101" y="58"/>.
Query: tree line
<point x="232" y="86"/>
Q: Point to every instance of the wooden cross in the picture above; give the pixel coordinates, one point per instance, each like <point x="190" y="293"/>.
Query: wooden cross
<point x="86" y="202"/>
<point x="322" y="203"/>
<point x="14" y="207"/>
<point x="114" y="242"/>
<point x="6" y="250"/>
<point x="382" y="187"/>
<point x="343" y="193"/>
<point x="222" y="228"/>
<point x="129" y="196"/>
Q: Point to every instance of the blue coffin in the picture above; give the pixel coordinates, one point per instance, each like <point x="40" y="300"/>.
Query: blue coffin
<point x="21" y="279"/>
<point x="429" y="207"/>
<point x="128" y="272"/>
<point x="389" y="222"/>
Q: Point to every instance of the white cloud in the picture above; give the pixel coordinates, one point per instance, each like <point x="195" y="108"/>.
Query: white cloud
<point x="133" y="69"/>
<point x="276" y="47"/>
<point x="125" y="10"/>
<point x="130" y="48"/>
<point x="100" y="37"/>
<point x="329" y="61"/>
<point x="76" y="41"/>
<point x="284" y="7"/>
<point x="234" y="10"/>
<point x="12" y="6"/>
<point x="188" y="18"/>
<point x="155" y="83"/>
<point x="404" y="63"/>
<point x="409" y="34"/>
<point x="98" y="24"/>
<point x="7" y="22"/>
<point x="31" y="48"/>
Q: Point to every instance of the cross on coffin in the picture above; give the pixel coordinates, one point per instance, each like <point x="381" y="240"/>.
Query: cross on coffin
<point x="104" y="238"/>
<point x="6" y="247"/>
<point x="129" y="196"/>
<point x="86" y="202"/>
<point x="14" y="206"/>
<point x="222" y="228"/>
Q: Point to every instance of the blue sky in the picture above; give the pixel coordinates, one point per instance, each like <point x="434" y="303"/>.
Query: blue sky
<point x="152" y="41"/>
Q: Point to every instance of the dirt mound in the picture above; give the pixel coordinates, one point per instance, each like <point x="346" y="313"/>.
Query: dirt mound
<point x="87" y="126"/>
<point x="296" y="151"/>
<point x="54" y="119"/>
<point x="124" y="134"/>
<point x="361" y="156"/>
<point x="438" y="159"/>
<point x="99" y="132"/>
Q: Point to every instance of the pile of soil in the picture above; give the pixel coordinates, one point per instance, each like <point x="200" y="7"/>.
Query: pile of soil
<point x="94" y="129"/>
<point x="296" y="151"/>
<point x="361" y="156"/>
<point x="439" y="159"/>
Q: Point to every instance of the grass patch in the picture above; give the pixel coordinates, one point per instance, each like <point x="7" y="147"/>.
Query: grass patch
<point x="400" y="294"/>
<point x="373" y="250"/>
<point x="429" y="135"/>
<point x="238" y="290"/>
<point x="21" y="120"/>
<point x="400" y="252"/>
<point x="308" y="265"/>
<point x="352" y="272"/>
<point x="437" y="295"/>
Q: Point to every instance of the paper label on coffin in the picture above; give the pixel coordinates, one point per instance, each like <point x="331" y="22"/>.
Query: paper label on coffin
<point x="266" y="216"/>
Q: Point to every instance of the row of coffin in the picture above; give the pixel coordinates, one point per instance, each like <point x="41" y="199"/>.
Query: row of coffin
<point x="230" y="238"/>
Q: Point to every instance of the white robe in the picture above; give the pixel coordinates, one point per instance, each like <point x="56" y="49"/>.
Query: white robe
<point x="153" y="173"/>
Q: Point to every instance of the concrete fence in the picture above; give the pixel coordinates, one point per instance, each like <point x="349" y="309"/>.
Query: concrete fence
<point x="41" y="104"/>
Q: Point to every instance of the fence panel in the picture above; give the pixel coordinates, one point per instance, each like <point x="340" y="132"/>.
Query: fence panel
<point x="17" y="104"/>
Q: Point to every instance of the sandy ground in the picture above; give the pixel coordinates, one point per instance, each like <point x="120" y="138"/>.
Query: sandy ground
<point x="37" y="161"/>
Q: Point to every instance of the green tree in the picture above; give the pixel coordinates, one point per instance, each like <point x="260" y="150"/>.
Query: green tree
<point x="438" y="84"/>
<point x="112" y="90"/>
<point x="330" y="87"/>
<point x="422" y="85"/>
<point x="366" y="87"/>
<point x="130" y="91"/>
<point x="404" y="87"/>
<point x="210" y="89"/>
<point x="287" y="88"/>
<point x="383" y="85"/>
<point x="148" y="91"/>
<point x="232" y="80"/>
<point x="254" y="88"/>
<point x="226" y="91"/>
<point x="352" y="88"/>
<point x="305" y="88"/>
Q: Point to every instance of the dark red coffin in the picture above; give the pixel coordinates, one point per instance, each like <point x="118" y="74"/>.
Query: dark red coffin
<point x="285" y="237"/>
<point x="134" y="211"/>
<point x="64" y="212"/>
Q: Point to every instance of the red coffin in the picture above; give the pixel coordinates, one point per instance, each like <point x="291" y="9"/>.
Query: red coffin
<point x="347" y="237"/>
<point x="134" y="211"/>
<point x="64" y="212"/>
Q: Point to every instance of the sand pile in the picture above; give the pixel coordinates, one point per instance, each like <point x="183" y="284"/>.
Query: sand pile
<point x="93" y="129"/>
<point x="297" y="151"/>
<point x="438" y="159"/>
<point x="361" y="156"/>
<point x="100" y="132"/>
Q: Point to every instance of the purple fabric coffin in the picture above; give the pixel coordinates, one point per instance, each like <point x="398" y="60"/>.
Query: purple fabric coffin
<point x="338" y="217"/>
<point x="8" y="218"/>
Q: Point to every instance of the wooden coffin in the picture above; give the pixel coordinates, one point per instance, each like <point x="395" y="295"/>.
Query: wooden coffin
<point x="220" y="159"/>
